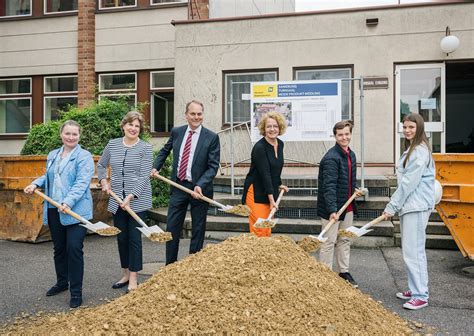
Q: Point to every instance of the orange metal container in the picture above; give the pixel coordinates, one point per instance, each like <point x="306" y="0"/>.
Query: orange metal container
<point x="21" y="214"/>
<point x="455" y="172"/>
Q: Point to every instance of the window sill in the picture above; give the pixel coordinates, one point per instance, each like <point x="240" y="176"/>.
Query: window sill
<point x="13" y="136"/>
<point x="154" y="6"/>
<point x="160" y="134"/>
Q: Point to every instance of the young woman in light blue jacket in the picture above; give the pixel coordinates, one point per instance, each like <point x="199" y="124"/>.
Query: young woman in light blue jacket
<point x="69" y="170"/>
<point x="413" y="201"/>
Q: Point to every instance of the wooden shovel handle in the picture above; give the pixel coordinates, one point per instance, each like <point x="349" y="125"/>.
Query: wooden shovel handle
<point x="373" y="222"/>
<point x="189" y="191"/>
<point x="282" y="191"/>
<point x="341" y="210"/>
<point x="57" y="205"/>
<point x="129" y="210"/>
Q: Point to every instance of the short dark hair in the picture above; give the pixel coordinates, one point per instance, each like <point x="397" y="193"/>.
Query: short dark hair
<point x="194" y="102"/>
<point x="131" y="116"/>
<point x="343" y="124"/>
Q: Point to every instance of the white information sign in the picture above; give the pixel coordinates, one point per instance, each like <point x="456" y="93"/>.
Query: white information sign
<point x="310" y="108"/>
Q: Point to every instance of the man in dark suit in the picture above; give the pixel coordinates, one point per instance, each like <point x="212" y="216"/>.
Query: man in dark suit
<point x="196" y="156"/>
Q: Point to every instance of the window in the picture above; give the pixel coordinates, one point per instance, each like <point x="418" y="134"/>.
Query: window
<point x="59" y="94"/>
<point x="162" y="100"/>
<point x="103" y="4"/>
<point x="154" y="2"/>
<point x="336" y="73"/>
<point x="15" y="8"/>
<point x="55" y="6"/>
<point x="15" y="106"/>
<point x="118" y="86"/>
<point x="237" y="86"/>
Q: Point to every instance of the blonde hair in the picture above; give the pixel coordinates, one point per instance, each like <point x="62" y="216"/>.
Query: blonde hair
<point x="131" y="116"/>
<point x="278" y="117"/>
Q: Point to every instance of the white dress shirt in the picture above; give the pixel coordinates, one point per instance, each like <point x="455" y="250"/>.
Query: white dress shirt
<point x="194" y="141"/>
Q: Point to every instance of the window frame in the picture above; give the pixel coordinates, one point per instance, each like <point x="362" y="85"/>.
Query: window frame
<point x="31" y="114"/>
<point x="57" y="92"/>
<point x="53" y="96"/>
<point x="225" y="73"/>
<point x="45" y="12"/>
<point x="168" y="3"/>
<point x="18" y="94"/>
<point x="152" y="102"/>
<point x="117" y="7"/>
<point x="20" y="15"/>
<point x="130" y="93"/>
<point x="330" y="68"/>
<point x="117" y="73"/>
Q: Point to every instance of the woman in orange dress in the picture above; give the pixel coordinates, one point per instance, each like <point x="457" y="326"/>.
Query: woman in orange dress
<point x="263" y="181"/>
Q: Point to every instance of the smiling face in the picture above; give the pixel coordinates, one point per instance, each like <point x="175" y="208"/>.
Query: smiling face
<point x="70" y="136"/>
<point x="194" y="115"/>
<point x="272" y="129"/>
<point x="131" y="129"/>
<point x="409" y="129"/>
<point x="343" y="137"/>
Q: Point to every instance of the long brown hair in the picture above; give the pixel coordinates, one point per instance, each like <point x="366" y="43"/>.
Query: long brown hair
<point x="419" y="138"/>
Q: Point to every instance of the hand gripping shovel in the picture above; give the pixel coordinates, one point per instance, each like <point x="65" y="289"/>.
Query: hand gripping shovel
<point x="313" y="243"/>
<point x="154" y="233"/>
<point x="352" y="231"/>
<point x="262" y="223"/>
<point x="241" y="210"/>
<point x="99" y="227"/>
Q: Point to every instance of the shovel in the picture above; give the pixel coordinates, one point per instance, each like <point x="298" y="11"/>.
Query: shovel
<point x="154" y="233"/>
<point x="268" y="222"/>
<point x="352" y="231"/>
<point x="241" y="210"/>
<point x="99" y="227"/>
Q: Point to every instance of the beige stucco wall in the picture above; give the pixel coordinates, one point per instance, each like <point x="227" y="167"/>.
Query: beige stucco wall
<point x="38" y="46"/>
<point x="136" y="40"/>
<point x="205" y="50"/>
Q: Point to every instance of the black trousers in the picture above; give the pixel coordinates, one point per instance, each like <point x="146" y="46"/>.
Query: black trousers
<point x="178" y="206"/>
<point x="68" y="242"/>
<point x="129" y="241"/>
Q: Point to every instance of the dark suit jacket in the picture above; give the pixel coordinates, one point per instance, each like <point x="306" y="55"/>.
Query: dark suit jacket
<point x="205" y="161"/>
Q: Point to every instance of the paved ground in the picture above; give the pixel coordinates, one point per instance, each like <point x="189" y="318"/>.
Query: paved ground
<point x="27" y="272"/>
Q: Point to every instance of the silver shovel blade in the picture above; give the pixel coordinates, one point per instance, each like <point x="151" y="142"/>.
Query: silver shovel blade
<point x="145" y="230"/>
<point x="358" y="232"/>
<point x="96" y="226"/>
<point x="320" y="238"/>
<point x="156" y="229"/>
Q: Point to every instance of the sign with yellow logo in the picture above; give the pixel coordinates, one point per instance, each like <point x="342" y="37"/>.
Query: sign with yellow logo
<point x="264" y="91"/>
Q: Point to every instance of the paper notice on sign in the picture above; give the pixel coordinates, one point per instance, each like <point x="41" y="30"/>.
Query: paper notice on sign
<point x="246" y="96"/>
<point x="310" y="108"/>
<point x="428" y="103"/>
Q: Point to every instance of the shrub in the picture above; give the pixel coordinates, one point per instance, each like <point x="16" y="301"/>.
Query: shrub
<point x="161" y="190"/>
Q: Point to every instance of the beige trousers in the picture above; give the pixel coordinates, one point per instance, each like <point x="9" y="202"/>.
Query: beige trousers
<point x="342" y="244"/>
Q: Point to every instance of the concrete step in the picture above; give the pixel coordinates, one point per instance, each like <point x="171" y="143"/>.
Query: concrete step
<point x="443" y="242"/>
<point x="433" y="228"/>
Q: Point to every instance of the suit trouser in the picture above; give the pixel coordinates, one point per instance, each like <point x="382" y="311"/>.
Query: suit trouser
<point x="68" y="241"/>
<point x="342" y="245"/>
<point x="178" y="206"/>
<point x="413" y="232"/>
<point x="129" y="240"/>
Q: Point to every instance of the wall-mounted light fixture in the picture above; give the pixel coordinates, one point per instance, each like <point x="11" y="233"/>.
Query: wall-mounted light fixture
<point x="449" y="43"/>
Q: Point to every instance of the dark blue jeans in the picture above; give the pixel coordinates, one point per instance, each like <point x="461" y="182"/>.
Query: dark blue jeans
<point x="129" y="240"/>
<point x="68" y="241"/>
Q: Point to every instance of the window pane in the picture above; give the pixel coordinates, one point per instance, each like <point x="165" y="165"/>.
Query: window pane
<point x="15" y="115"/>
<point x="163" y="111"/>
<point x="162" y="79"/>
<point x="15" y="86"/>
<point x="15" y="7"/>
<point x="130" y="99"/>
<point x="55" y="105"/>
<point x="116" y="3"/>
<point x="117" y="82"/>
<point x="60" y="84"/>
<point x="60" y="5"/>
<point x="238" y="84"/>
<point x="320" y="74"/>
<point x="165" y="1"/>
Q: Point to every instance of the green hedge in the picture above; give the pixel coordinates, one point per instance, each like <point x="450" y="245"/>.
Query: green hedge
<point x="100" y="122"/>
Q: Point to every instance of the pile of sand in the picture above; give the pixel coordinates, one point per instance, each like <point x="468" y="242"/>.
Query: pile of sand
<point x="244" y="285"/>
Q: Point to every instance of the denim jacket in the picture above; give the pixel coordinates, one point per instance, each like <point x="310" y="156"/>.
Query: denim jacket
<point x="415" y="190"/>
<point x="75" y="178"/>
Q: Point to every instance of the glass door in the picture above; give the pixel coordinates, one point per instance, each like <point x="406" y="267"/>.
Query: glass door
<point x="420" y="88"/>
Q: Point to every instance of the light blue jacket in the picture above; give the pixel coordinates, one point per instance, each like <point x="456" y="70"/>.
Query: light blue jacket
<point x="415" y="190"/>
<point x="75" y="179"/>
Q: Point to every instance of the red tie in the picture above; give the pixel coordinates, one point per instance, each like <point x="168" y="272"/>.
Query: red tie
<point x="183" y="166"/>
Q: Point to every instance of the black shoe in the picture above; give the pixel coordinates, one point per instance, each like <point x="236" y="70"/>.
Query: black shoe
<point x="75" y="301"/>
<point x="118" y="285"/>
<point x="348" y="277"/>
<point x="56" y="290"/>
